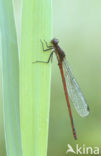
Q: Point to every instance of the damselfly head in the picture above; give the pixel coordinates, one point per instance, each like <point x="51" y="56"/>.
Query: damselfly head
<point x="54" y="41"/>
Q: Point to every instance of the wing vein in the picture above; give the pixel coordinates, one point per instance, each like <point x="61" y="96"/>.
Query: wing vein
<point x="74" y="91"/>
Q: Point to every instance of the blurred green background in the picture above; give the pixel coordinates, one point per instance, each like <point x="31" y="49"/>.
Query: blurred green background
<point x="77" y="24"/>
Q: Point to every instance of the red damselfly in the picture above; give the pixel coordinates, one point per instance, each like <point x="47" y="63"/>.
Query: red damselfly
<point x="70" y="85"/>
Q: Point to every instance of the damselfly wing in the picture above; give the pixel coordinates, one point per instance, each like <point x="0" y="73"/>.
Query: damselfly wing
<point x="74" y="91"/>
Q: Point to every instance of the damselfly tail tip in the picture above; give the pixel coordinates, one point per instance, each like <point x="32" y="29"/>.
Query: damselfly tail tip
<point x="74" y="134"/>
<point x="75" y="137"/>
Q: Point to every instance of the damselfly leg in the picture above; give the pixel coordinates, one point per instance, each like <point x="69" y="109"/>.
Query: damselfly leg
<point x="48" y="46"/>
<point x="45" y="50"/>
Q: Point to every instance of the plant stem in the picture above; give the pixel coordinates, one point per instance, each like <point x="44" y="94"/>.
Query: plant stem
<point x="10" y="79"/>
<point x="35" y="77"/>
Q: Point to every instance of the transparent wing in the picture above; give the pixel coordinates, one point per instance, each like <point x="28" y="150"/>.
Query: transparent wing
<point x="74" y="91"/>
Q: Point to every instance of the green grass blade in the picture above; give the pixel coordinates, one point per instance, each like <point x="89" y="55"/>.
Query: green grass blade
<point x="35" y="78"/>
<point x="2" y="140"/>
<point x="10" y="80"/>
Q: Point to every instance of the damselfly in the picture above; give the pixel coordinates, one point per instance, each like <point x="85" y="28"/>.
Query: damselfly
<point x="70" y="85"/>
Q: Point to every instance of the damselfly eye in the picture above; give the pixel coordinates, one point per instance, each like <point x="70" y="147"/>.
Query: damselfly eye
<point x="54" y="41"/>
